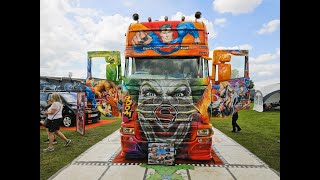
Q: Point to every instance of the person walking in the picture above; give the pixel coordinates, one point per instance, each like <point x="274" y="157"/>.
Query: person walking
<point x="55" y="118"/>
<point x="42" y="121"/>
<point x="234" y="123"/>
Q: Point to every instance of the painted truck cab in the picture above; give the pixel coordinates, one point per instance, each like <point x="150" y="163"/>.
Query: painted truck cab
<point x="168" y="95"/>
<point x="167" y="89"/>
<point x="167" y="108"/>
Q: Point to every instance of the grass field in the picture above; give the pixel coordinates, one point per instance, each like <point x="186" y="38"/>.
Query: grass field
<point x="260" y="134"/>
<point x="51" y="162"/>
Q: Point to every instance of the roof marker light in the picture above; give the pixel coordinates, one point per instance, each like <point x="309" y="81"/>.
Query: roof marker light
<point x="197" y="15"/>
<point x="135" y="17"/>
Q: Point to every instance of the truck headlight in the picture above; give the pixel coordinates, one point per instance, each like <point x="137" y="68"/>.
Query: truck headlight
<point x="126" y="130"/>
<point x="203" y="132"/>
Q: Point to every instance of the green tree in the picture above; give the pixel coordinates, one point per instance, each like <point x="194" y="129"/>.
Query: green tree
<point x="251" y="84"/>
<point x="234" y="73"/>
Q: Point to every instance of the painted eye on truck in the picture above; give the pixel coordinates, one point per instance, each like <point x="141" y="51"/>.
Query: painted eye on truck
<point x="180" y="94"/>
<point x="152" y="94"/>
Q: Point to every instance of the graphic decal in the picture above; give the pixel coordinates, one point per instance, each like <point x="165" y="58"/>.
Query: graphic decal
<point x="165" y="41"/>
<point x="61" y="84"/>
<point x="127" y="106"/>
<point x="156" y="172"/>
<point x="230" y="96"/>
<point x="105" y="96"/>
<point x="168" y="110"/>
<point x="161" y="153"/>
<point x="165" y="110"/>
<point x="80" y="123"/>
<point x="167" y="38"/>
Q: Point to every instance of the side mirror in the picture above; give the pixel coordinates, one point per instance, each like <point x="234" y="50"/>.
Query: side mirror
<point x="220" y="57"/>
<point x="224" y="72"/>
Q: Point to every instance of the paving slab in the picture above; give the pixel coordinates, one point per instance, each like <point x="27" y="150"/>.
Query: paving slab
<point x="237" y="155"/>
<point x="222" y="140"/>
<point x="210" y="173"/>
<point x="254" y="173"/>
<point x="76" y="172"/>
<point x="134" y="172"/>
<point x="112" y="138"/>
<point x="100" y="152"/>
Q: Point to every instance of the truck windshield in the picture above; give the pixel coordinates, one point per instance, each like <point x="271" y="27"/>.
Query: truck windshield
<point x="165" y="68"/>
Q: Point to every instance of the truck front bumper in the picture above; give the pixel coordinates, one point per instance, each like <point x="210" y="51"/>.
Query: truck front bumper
<point x="198" y="149"/>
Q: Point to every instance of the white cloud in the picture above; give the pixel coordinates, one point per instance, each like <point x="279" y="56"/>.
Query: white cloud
<point x="260" y="84"/>
<point x="68" y="32"/>
<point x="270" y="27"/>
<point x="220" y="21"/>
<point x="263" y="58"/>
<point x="210" y="27"/>
<point x="242" y="46"/>
<point x="265" y="69"/>
<point x="278" y="52"/>
<point x="235" y="6"/>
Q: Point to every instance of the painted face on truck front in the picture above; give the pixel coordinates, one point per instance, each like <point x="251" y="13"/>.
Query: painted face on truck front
<point x="165" y="109"/>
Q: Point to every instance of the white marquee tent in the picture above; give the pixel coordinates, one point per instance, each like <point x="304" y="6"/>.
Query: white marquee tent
<point x="266" y="95"/>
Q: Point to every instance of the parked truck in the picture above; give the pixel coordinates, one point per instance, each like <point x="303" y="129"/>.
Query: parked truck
<point x="167" y="90"/>
<point x="166" y="94"/>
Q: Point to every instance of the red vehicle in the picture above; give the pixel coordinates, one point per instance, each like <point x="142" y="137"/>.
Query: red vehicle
<point x="167" y="90"/>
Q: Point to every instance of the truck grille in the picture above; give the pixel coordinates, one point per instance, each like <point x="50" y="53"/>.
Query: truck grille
<point x="166" y="121"/>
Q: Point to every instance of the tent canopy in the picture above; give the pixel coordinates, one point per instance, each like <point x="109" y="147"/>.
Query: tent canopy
<point x="267" y="95"/>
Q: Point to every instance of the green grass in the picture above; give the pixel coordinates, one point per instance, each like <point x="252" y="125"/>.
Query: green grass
<point x="259" y="134"/>
<point x="51" y="162"/>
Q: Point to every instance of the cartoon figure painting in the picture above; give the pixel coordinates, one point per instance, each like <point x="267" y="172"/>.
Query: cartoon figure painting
<point x="106" y="108"/>
<point x="231" y="97"/>
<point x="81" y="99"/>
<point x="166" y="41"/>
<point x="103" y="90"/>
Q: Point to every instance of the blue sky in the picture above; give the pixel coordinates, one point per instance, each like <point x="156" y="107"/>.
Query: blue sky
<point x="70" y="28"/>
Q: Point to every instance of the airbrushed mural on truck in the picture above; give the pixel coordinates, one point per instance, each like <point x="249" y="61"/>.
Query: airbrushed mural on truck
<point x="168" y="95"/>
<point x="105" y="93"/>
